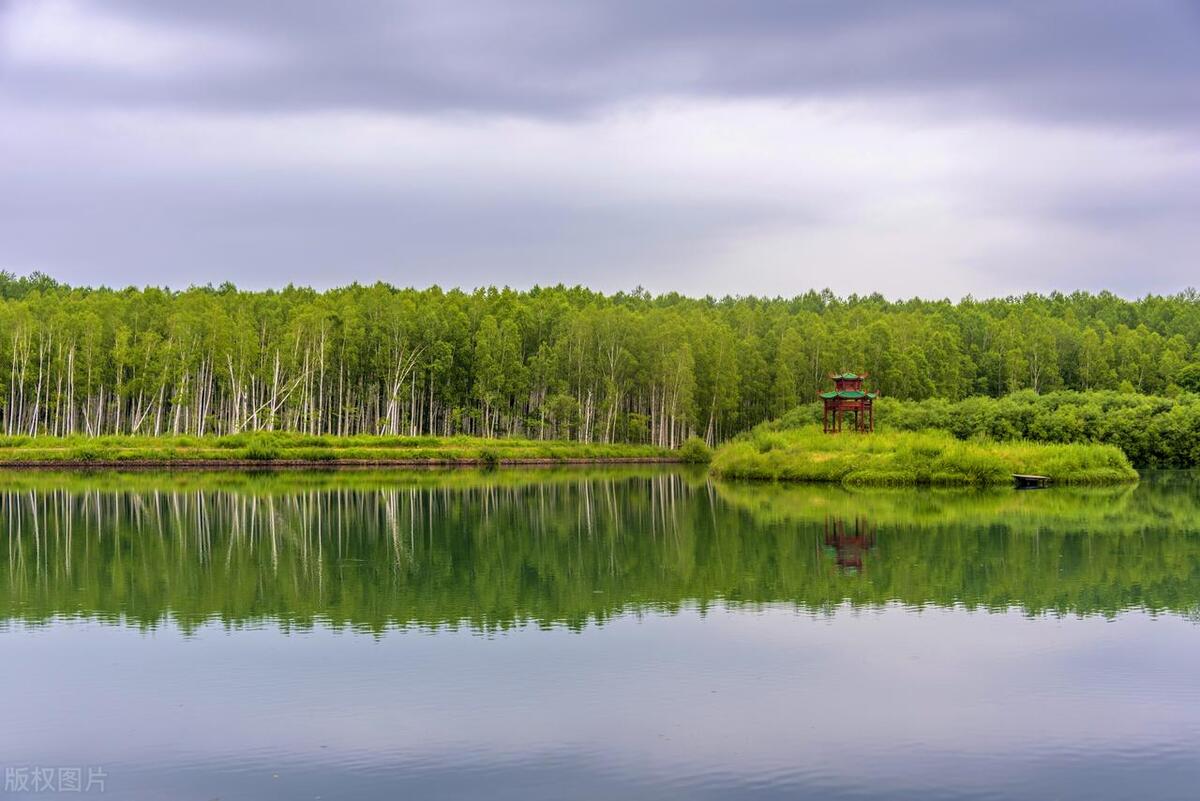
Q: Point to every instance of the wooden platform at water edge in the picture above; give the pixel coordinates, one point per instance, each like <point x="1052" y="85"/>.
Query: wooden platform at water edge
<point x="1030" y="482"/>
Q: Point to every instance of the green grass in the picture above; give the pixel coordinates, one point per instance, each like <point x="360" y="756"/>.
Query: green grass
<point x="274" y="447"/>
<point x="931" y="458"/>
<point x="1154" y="431"/>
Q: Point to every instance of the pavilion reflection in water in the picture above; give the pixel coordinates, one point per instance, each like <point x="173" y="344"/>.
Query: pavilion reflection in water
<point x="849" y="542"/>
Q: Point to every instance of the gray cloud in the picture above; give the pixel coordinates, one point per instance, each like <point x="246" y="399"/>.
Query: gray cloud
<point x="1129" y="62"/>
<point x="909" y="147"/>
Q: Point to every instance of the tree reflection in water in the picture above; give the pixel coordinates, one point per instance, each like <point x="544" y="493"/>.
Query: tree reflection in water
<point x="378" y="550"/>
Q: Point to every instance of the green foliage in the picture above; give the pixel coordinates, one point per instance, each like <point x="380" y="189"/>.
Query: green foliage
<point x="551" y="363"/>
<point x="489" y="457"/>
<point x="261" y="449"/>
<point x="1152" y="431"/>
<point x="303" y="448"/>
<point x="1188" y="377"/>
<point x="695" y="451"/>
<point x="912" y="458"/>
<point x="87" y="453"/>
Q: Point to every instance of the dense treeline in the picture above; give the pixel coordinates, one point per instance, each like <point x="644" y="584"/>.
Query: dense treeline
<point x="1153" y="431"/>
<point x="493" y="551"/>
<point x="547" y="363"/>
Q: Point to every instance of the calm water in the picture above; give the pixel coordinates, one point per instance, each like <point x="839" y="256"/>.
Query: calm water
<point x="595" y="634"/>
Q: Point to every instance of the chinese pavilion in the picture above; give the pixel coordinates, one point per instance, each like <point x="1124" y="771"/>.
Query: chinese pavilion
<point x="848" y="397"/>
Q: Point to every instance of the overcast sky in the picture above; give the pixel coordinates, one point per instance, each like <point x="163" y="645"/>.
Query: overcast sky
<point x="911" y="148"/>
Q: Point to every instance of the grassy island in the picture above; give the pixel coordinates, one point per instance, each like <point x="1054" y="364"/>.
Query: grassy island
<point x="913" y="458"/>
<point x="297" y="450"/>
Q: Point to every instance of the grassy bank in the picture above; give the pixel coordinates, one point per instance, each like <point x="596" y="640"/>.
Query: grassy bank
<point x="287" y="449"/>
<point x="913" y="458"/>
<point x="1153" y="431"/>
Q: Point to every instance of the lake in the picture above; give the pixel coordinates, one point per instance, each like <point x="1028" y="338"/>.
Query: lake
<point x="636" y="633"/>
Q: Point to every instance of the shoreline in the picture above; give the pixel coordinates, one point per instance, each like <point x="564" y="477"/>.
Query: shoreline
<point x="280" y="450"/>
<point x="331" y="464"/>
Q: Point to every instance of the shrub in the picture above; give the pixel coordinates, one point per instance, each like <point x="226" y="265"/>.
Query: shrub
<point x="260" y="449"/>
<point x="85" y="453"/>
<point x="695" y="451"/>
<point x="233" y="441"/>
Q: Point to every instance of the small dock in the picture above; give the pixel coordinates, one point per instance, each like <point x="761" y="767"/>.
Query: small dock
<point x="1031" y="482"/>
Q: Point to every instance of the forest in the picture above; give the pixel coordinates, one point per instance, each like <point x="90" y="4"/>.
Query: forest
<point x="545" y="363"/>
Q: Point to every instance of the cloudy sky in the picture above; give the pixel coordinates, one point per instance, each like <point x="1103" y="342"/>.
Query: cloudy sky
<point x="932" y="148"/>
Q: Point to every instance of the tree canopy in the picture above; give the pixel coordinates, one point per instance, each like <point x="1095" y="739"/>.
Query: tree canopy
<point x="557" y="362"/>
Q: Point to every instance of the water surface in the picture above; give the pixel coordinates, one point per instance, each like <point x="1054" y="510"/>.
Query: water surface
<point x="636" y="633"/>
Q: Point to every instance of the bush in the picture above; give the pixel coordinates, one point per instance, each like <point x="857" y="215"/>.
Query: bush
<point x="233" y="441"/>
<point x="695" y="451"/>
<point x="260" y="449"/>
<point x="85" y="453"/>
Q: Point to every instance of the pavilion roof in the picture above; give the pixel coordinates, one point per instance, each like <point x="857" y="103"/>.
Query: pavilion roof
<point x="848" y="377"/>
<point x="847" y="393"/>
